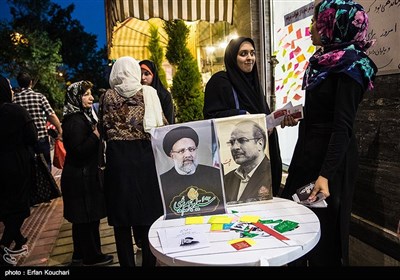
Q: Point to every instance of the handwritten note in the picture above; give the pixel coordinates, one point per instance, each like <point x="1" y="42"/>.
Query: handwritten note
<point x="384" y="27"/>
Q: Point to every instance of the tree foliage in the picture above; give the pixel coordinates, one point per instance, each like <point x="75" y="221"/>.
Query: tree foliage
<point x="187" y="91"/>
<point x="37" y="54"/>
<point x="186" y="85"/>
<point x="178" y="34"/>
<point x="157" y="53"/>
<point x="51" y="43"/>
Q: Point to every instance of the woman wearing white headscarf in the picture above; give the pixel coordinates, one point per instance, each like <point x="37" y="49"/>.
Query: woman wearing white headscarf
<point x="129" y="110"/>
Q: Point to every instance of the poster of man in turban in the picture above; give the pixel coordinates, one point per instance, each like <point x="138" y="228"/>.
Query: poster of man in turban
<point x="187" y="164"/>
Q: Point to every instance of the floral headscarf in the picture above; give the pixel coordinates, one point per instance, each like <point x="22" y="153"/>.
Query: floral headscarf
<point x="342" y="25"/>
<point x="73" y="100"/>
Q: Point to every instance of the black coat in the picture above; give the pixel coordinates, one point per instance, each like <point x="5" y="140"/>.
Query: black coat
<point x="18" y="134"/>
<point x="327" y="146"/>
<point x="83" y="198"/>
<point x="219" y="102"/>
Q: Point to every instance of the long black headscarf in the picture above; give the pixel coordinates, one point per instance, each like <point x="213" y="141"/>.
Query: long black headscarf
<point x="163" y="94"/>
<point x="247" y="85"/>
<point x="5" y="91"/>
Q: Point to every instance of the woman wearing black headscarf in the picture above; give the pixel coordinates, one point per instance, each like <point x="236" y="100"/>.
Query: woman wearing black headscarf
<point x="18" y="134"/>
<point x="150" y="78"/>
<point x="237" y="91"/>
<point x="84" y="202"/>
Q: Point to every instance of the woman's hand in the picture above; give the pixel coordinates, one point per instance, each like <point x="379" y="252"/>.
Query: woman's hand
<point x="321" y="186"/>
<point x="96" y="132"/>
<point x="289" y="121"/>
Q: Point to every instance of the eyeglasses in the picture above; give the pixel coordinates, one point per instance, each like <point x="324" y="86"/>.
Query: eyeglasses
<point x="241" y="141"/>
<point x="182" y="151"/>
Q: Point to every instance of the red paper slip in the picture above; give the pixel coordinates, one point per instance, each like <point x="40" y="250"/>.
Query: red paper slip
<point x="269" y="230"/>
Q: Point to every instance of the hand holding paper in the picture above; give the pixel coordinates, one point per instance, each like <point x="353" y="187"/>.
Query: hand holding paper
<point x="277" y="116"/>
<point x="302" y="194"/>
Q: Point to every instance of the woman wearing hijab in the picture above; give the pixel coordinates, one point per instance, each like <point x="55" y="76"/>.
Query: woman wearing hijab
<point x="150" y="77"/>
<point x="326" y="151"/>
<point x="18" y="135"/>
<point x="130" y="111"/>
<point x="84" y="203"/>
<point x="237" y="91"/>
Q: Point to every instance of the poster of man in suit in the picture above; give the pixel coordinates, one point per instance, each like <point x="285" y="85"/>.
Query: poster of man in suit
<point x="245" y="158"/>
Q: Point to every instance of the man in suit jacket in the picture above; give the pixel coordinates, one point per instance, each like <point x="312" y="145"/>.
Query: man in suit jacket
<point x="251" y="181"/>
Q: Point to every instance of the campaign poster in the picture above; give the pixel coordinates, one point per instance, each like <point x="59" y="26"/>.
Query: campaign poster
<point x="245" y="160"/>
<point x="188" y="169"/>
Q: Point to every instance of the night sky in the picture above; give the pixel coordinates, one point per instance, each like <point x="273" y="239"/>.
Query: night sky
<point x="90" y="13"/>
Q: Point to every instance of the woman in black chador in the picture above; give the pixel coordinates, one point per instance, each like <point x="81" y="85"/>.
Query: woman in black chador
<point x="84" y="201"/>
<point x="18" y="135"/>
<point x="237" y="91"/>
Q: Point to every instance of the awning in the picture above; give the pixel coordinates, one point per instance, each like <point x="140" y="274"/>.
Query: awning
<point x="132" y="37"/>
<point x="189" y="10"/>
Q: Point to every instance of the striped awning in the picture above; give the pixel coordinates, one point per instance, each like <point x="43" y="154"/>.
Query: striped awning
<point x="189" y="10"/>
<point x="132" y="38"/>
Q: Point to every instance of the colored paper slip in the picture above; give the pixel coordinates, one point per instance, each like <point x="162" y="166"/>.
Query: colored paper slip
<point x="242" y="243"/>
<point x="217" y="227"/>
<point x="220" y="220"/>
<point x="271" y="231"/>
<point x="194" y="220"/>
<point x="249" y="219"/>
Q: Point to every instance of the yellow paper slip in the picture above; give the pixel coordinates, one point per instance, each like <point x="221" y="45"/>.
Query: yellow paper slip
<point x="194" y="220"/>
<point x="249" y="219"/>
<point x="217" y="227"/>
<point x="220" y="220"/>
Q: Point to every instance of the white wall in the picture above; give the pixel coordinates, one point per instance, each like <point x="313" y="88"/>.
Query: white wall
<point x="292" y="46"/>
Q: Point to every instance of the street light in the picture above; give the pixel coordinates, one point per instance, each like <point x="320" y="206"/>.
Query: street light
<point x="17" y="38"/>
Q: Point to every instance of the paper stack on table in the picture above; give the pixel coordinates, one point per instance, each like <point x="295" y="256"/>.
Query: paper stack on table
<point x="184" y="238"/>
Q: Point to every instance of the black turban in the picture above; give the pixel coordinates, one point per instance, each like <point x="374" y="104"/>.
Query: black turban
<point x="176" y="134"/>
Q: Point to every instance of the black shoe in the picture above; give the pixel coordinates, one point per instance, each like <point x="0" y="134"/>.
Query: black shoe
<point x="75" y="262"/>
<point x="20" y="243"/>
<point x="106" y="259"/>
<point x="138" y="243"/>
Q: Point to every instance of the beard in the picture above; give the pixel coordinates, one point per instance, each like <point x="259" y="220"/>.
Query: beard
<point x="188" y="166"/>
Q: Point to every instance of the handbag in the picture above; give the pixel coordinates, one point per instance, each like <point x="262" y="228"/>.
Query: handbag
<point x="43" y="187"/>
<point x="59" y="154"/>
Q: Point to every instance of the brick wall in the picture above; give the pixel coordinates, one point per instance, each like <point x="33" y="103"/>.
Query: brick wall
<point x="376" y="205"/>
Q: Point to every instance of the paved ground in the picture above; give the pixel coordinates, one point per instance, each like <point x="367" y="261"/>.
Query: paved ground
<point x="50" y="237"/>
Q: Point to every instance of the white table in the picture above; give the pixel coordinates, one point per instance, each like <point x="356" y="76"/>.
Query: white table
<point x="268" y="251"/>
